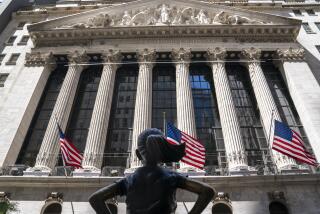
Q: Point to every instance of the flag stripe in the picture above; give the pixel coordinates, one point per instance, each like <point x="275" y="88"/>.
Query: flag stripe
<point x="290" y="143"/>
<point x="195" y="151"/>
<point x="70" y="154"/>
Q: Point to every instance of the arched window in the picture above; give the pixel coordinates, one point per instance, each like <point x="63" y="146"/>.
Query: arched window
<point x="277" y="208"/>
<point x="221" y="208"/>
<point x="52" y="207"/>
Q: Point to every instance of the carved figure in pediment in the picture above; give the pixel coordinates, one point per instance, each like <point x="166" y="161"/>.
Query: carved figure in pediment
<point x="220" y="18"/>
<point x="140" y="18"/>
<point x="164" y="14"/>
<point x="183" y="15"/>
<point x="235" y="19"/>
<point x="101" y="20"/>
<point x="202" y="18"/>
<point x="126" y="19"/>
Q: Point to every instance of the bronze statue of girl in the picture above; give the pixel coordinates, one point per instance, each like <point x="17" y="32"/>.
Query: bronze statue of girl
<point x="151" y="189"/>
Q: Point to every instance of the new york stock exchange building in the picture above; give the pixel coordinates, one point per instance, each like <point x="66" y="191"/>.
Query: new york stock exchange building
<point x="107" y="70"/>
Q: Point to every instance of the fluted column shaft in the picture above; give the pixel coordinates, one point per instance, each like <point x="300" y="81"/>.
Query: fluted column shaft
<point x="50" y="147"/>
<point x="93" y="154"/>
<point x="143" y="105"/>
<point x="228" y="116"/>
<point x="266" y="103"/>
<point x="185" y="110"/>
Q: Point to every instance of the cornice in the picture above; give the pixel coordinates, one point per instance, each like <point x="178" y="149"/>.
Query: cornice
<point x="242" y="33"/>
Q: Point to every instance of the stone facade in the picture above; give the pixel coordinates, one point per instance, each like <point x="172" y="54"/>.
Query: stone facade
<point x="146" y="28"/>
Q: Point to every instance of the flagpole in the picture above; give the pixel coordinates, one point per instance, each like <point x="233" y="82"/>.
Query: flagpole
<point x="269" y="146"/>
<point x="64" y="164"/>
<point x="164" y="123"/>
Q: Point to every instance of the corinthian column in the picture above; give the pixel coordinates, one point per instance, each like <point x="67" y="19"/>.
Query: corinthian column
<point x="265" y="103"/>
<point x="237" y="159"/>
<point x="47" y="156"/>
<point x="185" y="110"/>
<point x="93" y="154"/>
<point x="143" y="105"/>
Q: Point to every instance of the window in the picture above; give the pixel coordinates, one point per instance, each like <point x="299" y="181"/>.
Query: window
<point x="80" y="117"/>
<point x="21" y="24"/>
<point x="307" y="28"/>
<point x="13" y="59"/>
<point x="37" y="129"/>
<point x="318" y="25"/>
<point x="310" y="12"/>
<point x="297" y="12"/>
<point x="3" y="78"/>
<point x="24" y="40"/>
<point x="277" y="208"/>
<point x="11" y="40"/>
<point x="2" y="57"/>
<point x="207" y="117"/>
<point x="118" y="140"/>
<point x="249" y="117"/>
<point x="318" y="48"/>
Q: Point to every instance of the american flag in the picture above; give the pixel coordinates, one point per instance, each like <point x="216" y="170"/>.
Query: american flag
<point x="290" y="143"/>
<point x="70" y="154"/>
<point x="195" y="151"/>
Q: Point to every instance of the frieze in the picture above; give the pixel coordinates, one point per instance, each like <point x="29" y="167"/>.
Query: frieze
<point x="291" y="54"/>
<point x="39" y="59"/>
<point x="165" y="15"/>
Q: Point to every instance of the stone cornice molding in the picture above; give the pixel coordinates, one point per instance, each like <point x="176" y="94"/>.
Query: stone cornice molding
<point x="252" y="53"/>
<point x="241" y="33"/>
<point x="181" y="55"/>
<point x="78" y="58"/>
<point x="291" y="54"/>
<point x="37" y="59"/>
<point x="216" y="54"/>
<point x="146" y="55"/>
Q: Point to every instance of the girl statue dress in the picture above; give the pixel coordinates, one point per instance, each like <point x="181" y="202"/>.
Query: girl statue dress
<point x="151" y="189"/>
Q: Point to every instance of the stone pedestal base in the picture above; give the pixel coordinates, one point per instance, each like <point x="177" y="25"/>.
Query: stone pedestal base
<point x="87" y="172"/>
<point x="33" y="171"/>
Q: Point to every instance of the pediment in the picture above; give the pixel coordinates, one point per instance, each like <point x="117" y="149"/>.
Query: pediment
<point x="145" y="17"/>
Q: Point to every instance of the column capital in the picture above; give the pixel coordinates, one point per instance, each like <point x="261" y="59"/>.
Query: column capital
<point x="146" y="55"/>
<point x="39" y="59"/>
<point x="77" y="58"/>
<point x="216" y="54"/>
<point x="111" y="56"/>
<point x="181" y="55"/>
<point x="251" y="53"/>
<point x="291" y="54"/>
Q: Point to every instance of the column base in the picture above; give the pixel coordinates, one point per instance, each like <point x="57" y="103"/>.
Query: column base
<point x="87" y="172"/>
<point x="242" y="171"/>
<point x="37" y="171"/>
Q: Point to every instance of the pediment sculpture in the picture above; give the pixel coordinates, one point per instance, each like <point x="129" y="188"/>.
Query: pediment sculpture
<point x="165" y="15"/>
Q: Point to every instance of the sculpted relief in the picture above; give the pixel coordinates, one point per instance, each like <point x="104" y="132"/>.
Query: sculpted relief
<point x="165" y="15"/>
